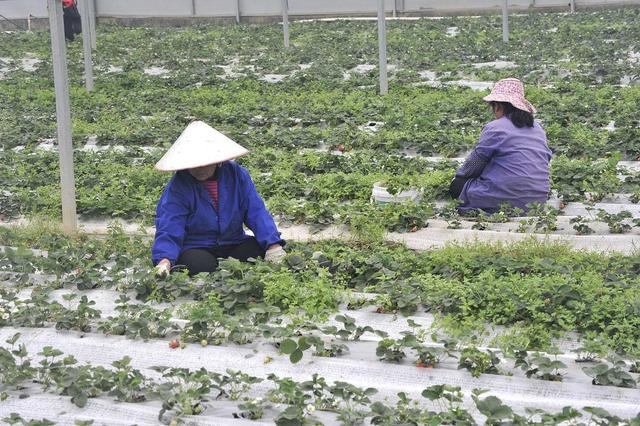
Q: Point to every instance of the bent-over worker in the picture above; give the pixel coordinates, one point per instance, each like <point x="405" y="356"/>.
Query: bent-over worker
<point x="202" y="210"/>
<point x="510" y="163"/>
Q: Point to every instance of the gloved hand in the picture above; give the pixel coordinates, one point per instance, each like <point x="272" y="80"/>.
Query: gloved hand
<point x="163" y="268"/>
<point x="275" y="254"/>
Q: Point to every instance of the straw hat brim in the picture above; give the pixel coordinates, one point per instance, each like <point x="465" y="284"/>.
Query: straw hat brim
<point x="199" y="145"/>
<point x="520" y="103"/>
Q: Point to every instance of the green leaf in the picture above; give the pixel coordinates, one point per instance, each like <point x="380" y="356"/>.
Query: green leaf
<point x="433" y="393"/>
<point x="596" y="411"/>
<point x="296" y="356"/>
<point x="287" y="346"/>
<point x="80" y="399"/>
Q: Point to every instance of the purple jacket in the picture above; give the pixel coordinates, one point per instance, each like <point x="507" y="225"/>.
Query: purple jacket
<point x="516" y="168"/>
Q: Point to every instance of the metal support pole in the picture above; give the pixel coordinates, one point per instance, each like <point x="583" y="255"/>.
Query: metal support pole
<point x="285" y="21"/>
<point x="237" y="11"/>
<point x="63" y="115"/>
<point x="382" y="48"/>
<point x="92" y="22"/>
<point x="193" y="7"/>
<point x="505" y="21"/>
<point x="86" y="44"/>
<point x="573" y="6"/>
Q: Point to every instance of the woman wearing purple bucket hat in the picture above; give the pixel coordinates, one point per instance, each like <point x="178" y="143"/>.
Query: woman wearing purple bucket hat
<point x="510" y="163"/>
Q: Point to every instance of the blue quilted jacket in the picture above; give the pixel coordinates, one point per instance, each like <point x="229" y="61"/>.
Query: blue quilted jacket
<point x="186" y="218"/>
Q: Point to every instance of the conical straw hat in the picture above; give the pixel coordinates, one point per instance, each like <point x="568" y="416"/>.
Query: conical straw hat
<point x="199" y="145"/>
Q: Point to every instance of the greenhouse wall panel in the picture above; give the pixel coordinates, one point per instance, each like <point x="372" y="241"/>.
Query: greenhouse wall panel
<point x="470" y="5"/>
<point x="144" y="8"/>
<point x="260" y="8"/>
<point x="20" y="9"/>
<point x="308" y="7"/>
<point x="215" y="8"/>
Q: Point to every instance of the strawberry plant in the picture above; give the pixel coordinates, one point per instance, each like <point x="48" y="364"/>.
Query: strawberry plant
<point x="616" y="221"/>
<point x="591" y="348"/>
<point x="15" y="418"/>
<point x="128" y="384"/>
<point x="349" y="330"/>
<point x="604" y="374"/>
<point x="79" y="318"/>
<point x="354" y="399"/>
<point x="492" y="407"/>
<point x="294" y="349"/>
<point x="15" y="366"/>
<point x="540" y="366"/>
<point x="252" y="409"/>
<point x="477" y="362"/>
<point x="392" y="350"/>
<point x="184" y="392"/>
<point x="580" y="225"/>
<point x="138" y="320"/>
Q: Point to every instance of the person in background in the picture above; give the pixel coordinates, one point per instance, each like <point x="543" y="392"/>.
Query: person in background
<point x="510" y="163"/>
<point x="72" y="21"/>
<point x="203" y="208"/>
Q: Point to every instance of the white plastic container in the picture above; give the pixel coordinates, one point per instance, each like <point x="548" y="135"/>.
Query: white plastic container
<point x="380" y="195"/>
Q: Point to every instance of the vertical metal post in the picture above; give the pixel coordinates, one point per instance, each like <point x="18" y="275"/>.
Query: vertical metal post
<point x="505" y="21"/>
<point x="237" y="11"/>
<point x="86" y="44"/>
<point x="573" y="6"/>
<point x="193" y="7"/>
<point x="63" y="115"/>
<point x="92" y="22"/>
<point x="382" y="48"/>
<point x="285" y="21"/>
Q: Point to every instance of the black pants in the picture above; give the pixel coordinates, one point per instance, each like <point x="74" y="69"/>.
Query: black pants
<point x="72" y="22"/>
<point x="457" y="184"/>
<point x="198" y="260"/>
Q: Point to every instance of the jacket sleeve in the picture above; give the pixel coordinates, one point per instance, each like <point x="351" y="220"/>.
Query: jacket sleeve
<point x="472" y="167"/>
<point x="171" y="218"/>
<point x="257" y="217"/>
<point x="482" y="153"/>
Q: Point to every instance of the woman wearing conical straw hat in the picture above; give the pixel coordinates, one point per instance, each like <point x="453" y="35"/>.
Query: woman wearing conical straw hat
<point x="510" y="163"/>
<point x="202" y="210"/>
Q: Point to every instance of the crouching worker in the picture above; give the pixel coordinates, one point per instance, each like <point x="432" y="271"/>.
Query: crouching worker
<point x="202" y="210"/>
<point x="510" y="163"/>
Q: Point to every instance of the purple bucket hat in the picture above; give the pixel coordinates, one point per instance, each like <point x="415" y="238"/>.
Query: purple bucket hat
<point x="510" y="90"/>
